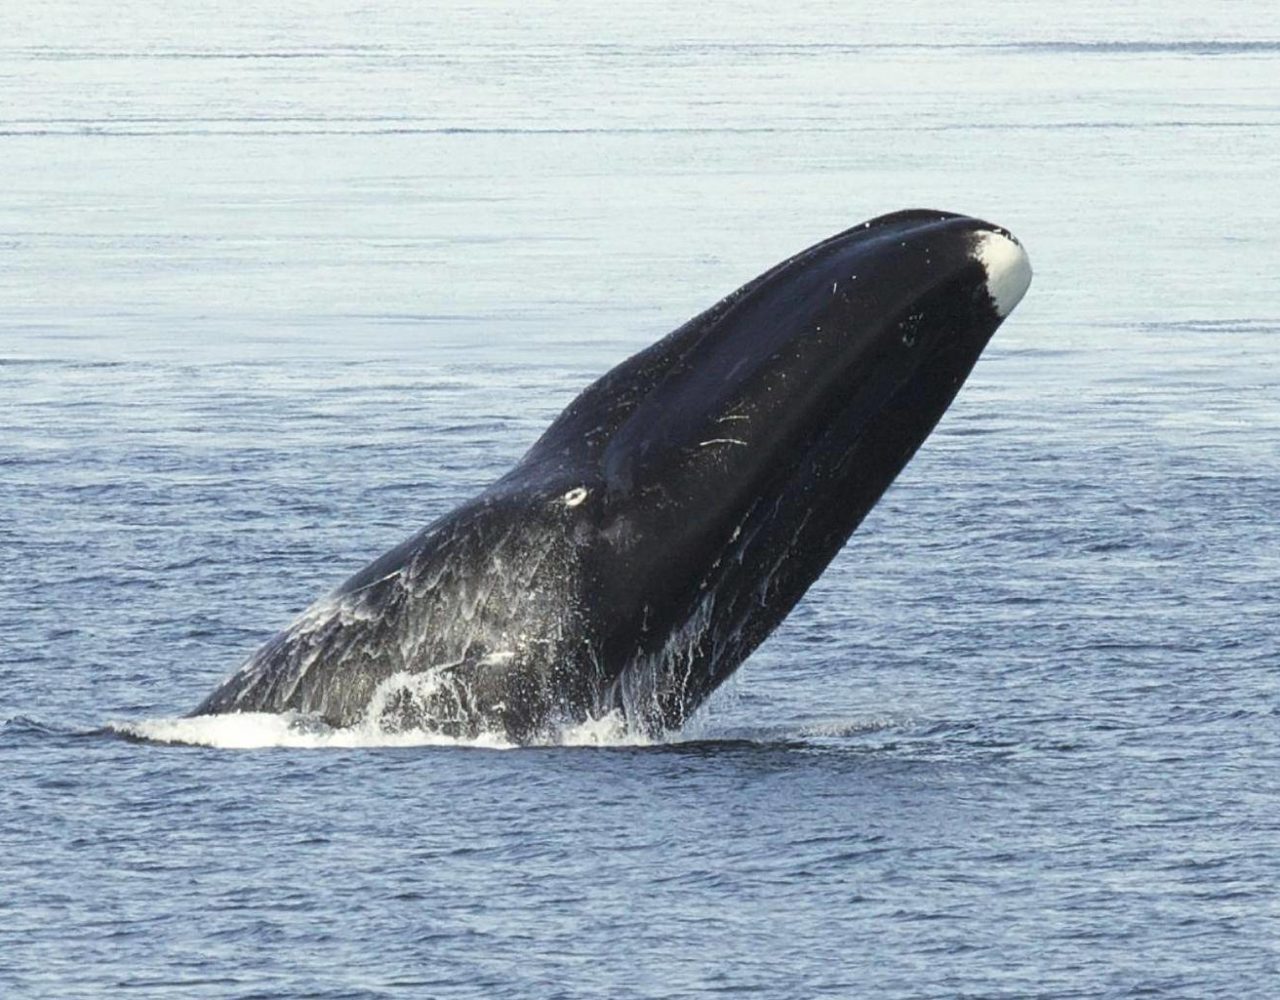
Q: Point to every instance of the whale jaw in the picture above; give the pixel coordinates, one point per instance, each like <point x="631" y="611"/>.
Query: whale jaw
<point x="1008" y="269"/>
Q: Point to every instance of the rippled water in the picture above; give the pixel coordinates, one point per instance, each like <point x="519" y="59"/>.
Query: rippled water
<point x="278" y="288"/>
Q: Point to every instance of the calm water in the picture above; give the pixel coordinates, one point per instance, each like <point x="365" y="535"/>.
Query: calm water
<point x="277" y="289"/>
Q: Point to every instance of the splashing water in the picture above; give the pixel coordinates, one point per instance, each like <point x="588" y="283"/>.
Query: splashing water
<point x="258" y="730"/>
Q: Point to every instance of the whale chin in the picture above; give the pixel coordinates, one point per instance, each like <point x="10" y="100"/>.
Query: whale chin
<point x="672" y="515"/>
<point x="1008" y="269"/>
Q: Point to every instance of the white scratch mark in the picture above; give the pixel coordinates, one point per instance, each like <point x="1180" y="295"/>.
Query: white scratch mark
<point x="722" y="441"/>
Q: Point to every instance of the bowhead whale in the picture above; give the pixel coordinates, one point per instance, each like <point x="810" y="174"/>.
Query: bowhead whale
<point x="672" y="515"/>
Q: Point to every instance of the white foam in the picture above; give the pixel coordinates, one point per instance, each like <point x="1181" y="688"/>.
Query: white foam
<point x="609" y="730"/>
<point x="258" y="730"/>
<point x="255" y="730"/>
<point x="1008" y="269"/>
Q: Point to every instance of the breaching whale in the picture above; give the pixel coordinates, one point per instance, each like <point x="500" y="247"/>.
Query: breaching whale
<point x="672" y="515"/>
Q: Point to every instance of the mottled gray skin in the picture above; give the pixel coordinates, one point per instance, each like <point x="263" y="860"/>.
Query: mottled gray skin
<point x="669" y="519"/>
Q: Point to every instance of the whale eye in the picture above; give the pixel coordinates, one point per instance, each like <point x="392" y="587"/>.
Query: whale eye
<point x="575" y="496"/>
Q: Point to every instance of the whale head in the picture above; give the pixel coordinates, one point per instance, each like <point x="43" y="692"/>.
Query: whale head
<point x="710" y="479"/>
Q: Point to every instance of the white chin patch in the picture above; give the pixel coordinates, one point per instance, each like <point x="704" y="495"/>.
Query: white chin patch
<point x="1008" y="270"/>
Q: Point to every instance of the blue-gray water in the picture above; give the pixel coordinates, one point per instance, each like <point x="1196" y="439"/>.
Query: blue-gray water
<point x="278" y="288"/>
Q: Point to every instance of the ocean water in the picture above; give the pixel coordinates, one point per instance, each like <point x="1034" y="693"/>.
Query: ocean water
<point x="278" y="287"/>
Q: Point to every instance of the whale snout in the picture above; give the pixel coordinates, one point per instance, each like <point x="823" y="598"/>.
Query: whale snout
<point x="1008" y="268"/>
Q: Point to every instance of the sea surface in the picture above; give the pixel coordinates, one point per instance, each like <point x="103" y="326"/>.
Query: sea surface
<point x="281" y="283"/>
